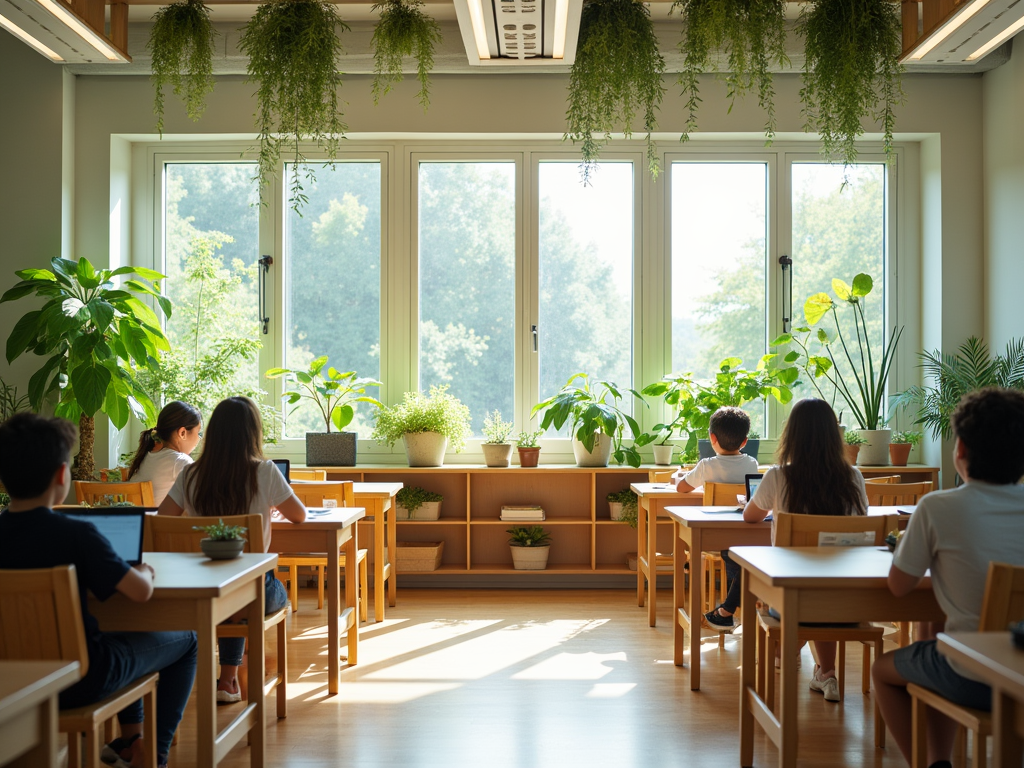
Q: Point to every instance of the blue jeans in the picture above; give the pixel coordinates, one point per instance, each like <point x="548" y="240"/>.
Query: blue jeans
<point x="130" y="655"/>
<point x="232" y="648"/>
<point x="732" y="575"/>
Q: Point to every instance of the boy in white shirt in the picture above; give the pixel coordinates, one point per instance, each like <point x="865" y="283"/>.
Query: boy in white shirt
<point x="728" y="431"/>
<point x="956" y="534"/>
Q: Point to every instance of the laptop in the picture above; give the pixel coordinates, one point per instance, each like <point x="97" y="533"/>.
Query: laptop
<point x="285" y="466"/>
<point x="121" y="526"/>
<point x="752" y="481"/>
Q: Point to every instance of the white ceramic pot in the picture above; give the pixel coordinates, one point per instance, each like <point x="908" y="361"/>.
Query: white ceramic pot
<point x="876" y="451"/>
<point x="428" y="510"/>
<point x="663" y="454"/>
<point x="497" y="454"/>
<point x="596" y="458"/>
<point x="530" y="558"/>
<point x="425" y="449"/>
<point x="615" y="510"/>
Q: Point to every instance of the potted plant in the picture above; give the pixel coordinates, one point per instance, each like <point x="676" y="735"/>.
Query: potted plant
<point x="93" y="336"/>
<point x="529" y="450"/>
<point x="622" y="505"/>
<point x="427" y="424"/>
<point x="10" y="401"/>
<point x="530" y="547"/>
<point x="496" y="446"/>
<point x="411" y="499"/>
<point x="403" y="30"/>
<point x="853" y="441"/>
<point x="181" y="42"/>
<point x="901" y="445"/>
<point x="334" y="394"/>
<point x="597" y="423"/>
<point x="618" y="70"/>
<point x="222" y="542"/>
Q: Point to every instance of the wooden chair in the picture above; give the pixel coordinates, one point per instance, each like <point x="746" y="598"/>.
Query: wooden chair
<point x="139" y="494"/>
<point x="311" y="475"/>
<point x="718" y="495"/>
<point x="41" y="620"/>
<point x="894" y="494"/>
<point x="320" y="494"/>
<point x="881" y="480"/>
<point x="802" y="531"/>
<point x="660" y="475"/>
<point x="1003" y="603"/>
<point x="176" y="534"/>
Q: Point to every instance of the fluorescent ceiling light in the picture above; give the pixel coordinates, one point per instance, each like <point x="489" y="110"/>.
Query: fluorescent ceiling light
<point x="24" y="36"/>
<point x="561" y="23"/>
<point x="476" y="15"/>
<point x="522" y="33"/>
<point x="83" y="30"/>
<point x="1002" y="37"/>
<point x="944" y="31"/>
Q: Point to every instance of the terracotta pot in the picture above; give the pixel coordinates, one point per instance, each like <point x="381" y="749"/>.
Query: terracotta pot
<point x="529" y="457"/>
<point x="851" y="452"/>
<point x="899" y="453"/>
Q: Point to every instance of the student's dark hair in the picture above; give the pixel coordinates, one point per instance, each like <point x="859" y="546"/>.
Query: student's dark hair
<point x="990" y="425"/>
<point x="173" y="417"/>
<point x="223" y="480"/>
<point x="731" y="426"/>
<point x="819" y="479"/>
<point x="32" y="448"/>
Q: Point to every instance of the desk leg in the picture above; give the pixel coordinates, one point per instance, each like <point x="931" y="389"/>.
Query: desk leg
<point x="257" y="664"/>
<point x="747" y="672"/>
<point x="44" y="753"/>
<point x="206" y="683"/>
<point x="379" y="539"/>
<point x="352" y="595"/>
<point x="788" y="679"/>
<point x="696" y="605"/>
<point x="641" y="549"/>
<point x="1008" y="746"/>
<point x="334" y="612"/>
<point x="392" y="525"/>
<point x="678" y="594"/>
<point x="652" y="564"/>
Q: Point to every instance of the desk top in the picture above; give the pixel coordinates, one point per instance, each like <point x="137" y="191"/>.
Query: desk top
<point x="663" y="490"/>
<point x="24" y="684"/>
<point x="336" y="517"/>
<point x="696" y="517"/>
<point x="989" y="655"/>
<point x="193" y="574"/>
<point x="828" y="567"/>
<point x="381" y="490"/>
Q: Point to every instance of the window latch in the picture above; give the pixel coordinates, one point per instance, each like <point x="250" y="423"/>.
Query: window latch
<point x="533" y="332"/>
<point x="264" y="268"/>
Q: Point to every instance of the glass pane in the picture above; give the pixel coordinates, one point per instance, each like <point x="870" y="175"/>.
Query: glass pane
<point x="211" y="249"/>
<point x="332" y="270"/>
<point x="585" y="311"/>
<point x="839" y="232"/>
<point x="719" y="251"/>
<point x="467" y="254"/>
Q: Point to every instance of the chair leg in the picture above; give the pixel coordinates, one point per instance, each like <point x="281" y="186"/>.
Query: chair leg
<point x="722" y="593"/>
<point x="321" y="571"/>
<point x="960" y="748"/>
<point x="74" y="749"/>
<point x="762" y="663"/>
<point x="293" y="586"/>
<point x="364" y="590"/>
<point x="149" y="725"/>
<point x="769" y="687"/>
<point x="108" y="730"/>
<point x="904" y="633"/>
<point x="92" y="747"/>
<point x="919" y="733"/>
<point x="979" y="752"/>
<point x="879" y="722"/>
<point x="841" y="671"/>
<point x="282" y="670"/>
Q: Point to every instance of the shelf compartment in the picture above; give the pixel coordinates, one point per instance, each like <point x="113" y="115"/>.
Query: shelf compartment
<point x="567" y="497"/>
<point x="570" y="546"/>
<point x="453" y="534"/>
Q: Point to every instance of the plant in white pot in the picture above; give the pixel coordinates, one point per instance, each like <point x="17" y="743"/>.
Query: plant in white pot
<point x="222" y="542"/>
<point x="415" y="503"/>
<point x="427" y="424"/>
<point x="497" y="445"/>
<point x="334" y="396"/>
<point x="622" y="505"/>
<point x="530" y="547"/>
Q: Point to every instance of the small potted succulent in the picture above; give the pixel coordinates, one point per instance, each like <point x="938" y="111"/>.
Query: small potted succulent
<point x="530" y="547"/>
<point x="854" y="440"/>
<point x="413" y="498"/>
<point x="496" y="446"/>
<point x="900" y="446"/>
<point x="529" y="450"/>
<point x="222" y="542"/>
<point x="427" y="425"/>
<point x="622" y="505"/>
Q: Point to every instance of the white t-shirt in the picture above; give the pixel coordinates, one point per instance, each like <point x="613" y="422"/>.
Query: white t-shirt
<point x="271" y="489"/>
<point x="771" y="492"/>
<point x="721" y="469"/>
<point x="161" y="469"/>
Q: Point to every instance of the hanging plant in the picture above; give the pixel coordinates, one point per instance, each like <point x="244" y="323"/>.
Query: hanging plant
<point x="293" y="49"/>
<point x="852" y="70"/>
<point x="181" y="43"/>
<point x="618" y="71"/>
<point x="752" y="34"/>
<point x="403" y="30"/>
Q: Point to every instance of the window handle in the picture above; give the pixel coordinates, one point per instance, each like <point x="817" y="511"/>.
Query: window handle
<point x="787" y="292"/>
<point x="533" y="332"/>
<point x="264" y="268"/>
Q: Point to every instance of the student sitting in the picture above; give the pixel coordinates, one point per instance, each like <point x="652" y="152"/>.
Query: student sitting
<point x="956" y="534"/>
<point x="233" y="478"/>
<point x="813" y="477"/>
<point x="35" y="468"/>
<point x="164" y="450"/>
<point x="728" y="431"/>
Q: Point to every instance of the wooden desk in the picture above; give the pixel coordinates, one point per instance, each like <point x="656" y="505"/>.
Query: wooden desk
<point x="377" y="499"/>
<point x="994" y="658"/>
<point x="330" y="534"/>
<point x="652" y="499"/>
<point x="28" y="710"/>
<point x="192" y="592"/>
<point x="912" y="473"/>
<point x="828" y="584"/>
<point x="697" y="531"/>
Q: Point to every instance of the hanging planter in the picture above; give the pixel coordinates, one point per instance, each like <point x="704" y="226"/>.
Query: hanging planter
<point x="618" y="72"/>
<point x="851" y="71"/>
<point x="294" y="51"/>
<point x="403" y="30"/>
<point x="753" y="37"/>
<point x="181" y="43"/>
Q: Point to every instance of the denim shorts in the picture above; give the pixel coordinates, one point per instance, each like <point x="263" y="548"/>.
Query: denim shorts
<point x="922" y="664"/>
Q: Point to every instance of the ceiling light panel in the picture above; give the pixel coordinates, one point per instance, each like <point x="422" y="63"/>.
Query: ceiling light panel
<point x="970" y="33"/>
<point x="56" y="32"/>
<point x="519" y="32"/>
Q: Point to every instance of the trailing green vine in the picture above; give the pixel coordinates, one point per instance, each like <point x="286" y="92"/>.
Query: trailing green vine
<point x="293" y="51"/>
<point x="181" y="43"/>
<point x="852" y="70"/>
<point x="403" y="30"/>
<point x="752" y="33"/>
<point x="617" y="72"/>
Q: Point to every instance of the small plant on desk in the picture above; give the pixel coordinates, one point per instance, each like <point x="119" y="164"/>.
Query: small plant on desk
<point x="222" y="542"/>
<point x="220" y="532"/>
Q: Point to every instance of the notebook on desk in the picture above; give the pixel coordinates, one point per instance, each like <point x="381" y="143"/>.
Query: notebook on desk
<point x="121" y="526"/>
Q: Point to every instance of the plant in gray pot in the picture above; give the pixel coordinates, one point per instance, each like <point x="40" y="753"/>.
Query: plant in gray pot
<point x="427" y="424"/>
<point x="334" y="394"/>
<point x="530" y="547"/>
<point x="222" y="542"/>
<point x="497" y="445"/>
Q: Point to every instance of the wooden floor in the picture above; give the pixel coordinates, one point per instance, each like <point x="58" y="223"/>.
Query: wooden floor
<point x="528" y="679"/>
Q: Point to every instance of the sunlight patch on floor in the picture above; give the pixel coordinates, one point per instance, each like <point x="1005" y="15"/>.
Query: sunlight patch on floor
<point x="609" y="690"/>
<point x="358" y="692"/>
<point x="571" y="666"/>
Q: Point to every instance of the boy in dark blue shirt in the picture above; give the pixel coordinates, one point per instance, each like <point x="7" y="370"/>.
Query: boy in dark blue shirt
<point x="35" y="468"/>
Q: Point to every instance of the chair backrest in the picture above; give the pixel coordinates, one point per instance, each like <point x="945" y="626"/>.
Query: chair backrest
<point x="792" y="530"/>
<point x="722" y="494"/>
<point x="660" y="475"/>
<point x="312" y="475"/>
<point x="176" y="534"/>
<point x="882" y="480"/>
<point x="1004" y="597"/>
<point x="891" y="494"/>
<point x="342" y="492"/>
<point x="139" y="494"/>
<point x="41" y="616"/>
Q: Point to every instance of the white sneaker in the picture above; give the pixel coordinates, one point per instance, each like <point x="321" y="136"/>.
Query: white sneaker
<point x="828" y="686"/>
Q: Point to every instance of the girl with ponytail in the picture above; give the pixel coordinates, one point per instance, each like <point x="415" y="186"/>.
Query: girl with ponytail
<point x="164" y="450"/>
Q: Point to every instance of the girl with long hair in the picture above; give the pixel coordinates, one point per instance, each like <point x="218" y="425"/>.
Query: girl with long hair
<point x="232" y="477"/>
<point x="812" y="477"/>
<point x="164" y="450"/>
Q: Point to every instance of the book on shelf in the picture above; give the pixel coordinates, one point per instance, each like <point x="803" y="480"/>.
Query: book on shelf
<point x="522" y="514"/>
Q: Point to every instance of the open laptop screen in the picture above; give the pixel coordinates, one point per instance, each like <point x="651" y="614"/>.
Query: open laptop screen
<point x="121" y="526"/>
<point x="285" y="465"/>
<point x="752" y="481"/>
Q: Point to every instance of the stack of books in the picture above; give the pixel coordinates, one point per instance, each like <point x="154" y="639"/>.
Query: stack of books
<point x="529" y="513"/>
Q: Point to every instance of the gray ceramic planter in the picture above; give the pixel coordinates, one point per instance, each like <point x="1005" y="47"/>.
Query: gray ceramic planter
<point x="330" y="449"/>
<point x="222" y="549"/>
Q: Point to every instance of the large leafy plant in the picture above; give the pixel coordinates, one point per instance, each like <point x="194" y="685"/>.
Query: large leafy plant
<point x="93" y="336"/>
<point x="181" y="42"/>
<point x="439" y="412"/>
<point x="333" y="393"/>
<point x="403" y="30"/>
<point x="617" y="73"/>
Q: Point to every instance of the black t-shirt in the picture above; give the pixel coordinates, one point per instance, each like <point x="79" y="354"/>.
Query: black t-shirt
<point x="42" y="538"/>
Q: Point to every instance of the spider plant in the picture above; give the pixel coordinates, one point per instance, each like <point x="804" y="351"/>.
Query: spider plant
<point x="403" y="30"/>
